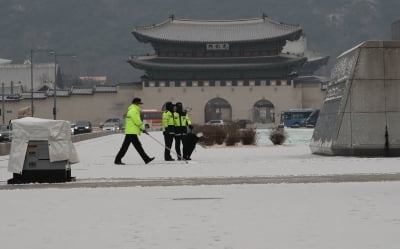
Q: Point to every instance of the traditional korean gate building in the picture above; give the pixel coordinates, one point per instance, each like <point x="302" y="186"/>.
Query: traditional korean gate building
<point x="229" y="70"/>
<point x="237" y="69"/>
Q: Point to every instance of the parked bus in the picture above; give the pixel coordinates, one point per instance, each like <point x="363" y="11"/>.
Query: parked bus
<point x="295" y="117"/>
<point x="152" y="119"/>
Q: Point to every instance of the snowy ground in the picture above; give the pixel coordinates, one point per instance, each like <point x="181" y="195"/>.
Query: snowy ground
<point x="324" y="215"/>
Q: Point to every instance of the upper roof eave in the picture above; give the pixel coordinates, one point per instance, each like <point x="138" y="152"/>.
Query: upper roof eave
<point x="232" y="31"/>
<point x="291" y="37"/>
<point x="144" y="62"/>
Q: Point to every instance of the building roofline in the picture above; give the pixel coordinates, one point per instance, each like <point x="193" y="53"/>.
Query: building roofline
<point x="149" y="62"/>
<point x="214" y="22"/>
<point x="161" y="31"/>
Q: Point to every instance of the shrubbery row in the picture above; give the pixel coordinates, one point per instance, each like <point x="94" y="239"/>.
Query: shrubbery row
<point x="229" y="134"/>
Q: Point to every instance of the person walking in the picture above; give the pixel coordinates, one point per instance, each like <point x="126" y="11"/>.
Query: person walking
<point x="133" y="127"/>
<point x="181" y="121"/>
<point x="168" y="130"/>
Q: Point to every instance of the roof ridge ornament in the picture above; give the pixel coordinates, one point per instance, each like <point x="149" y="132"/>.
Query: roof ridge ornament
<point x="264" y="16"/>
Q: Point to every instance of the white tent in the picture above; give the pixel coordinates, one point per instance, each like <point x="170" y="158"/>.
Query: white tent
<point x="56" y="132"/>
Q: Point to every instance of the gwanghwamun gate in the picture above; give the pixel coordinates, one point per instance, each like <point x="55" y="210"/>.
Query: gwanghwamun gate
<point x="226" y="69"/>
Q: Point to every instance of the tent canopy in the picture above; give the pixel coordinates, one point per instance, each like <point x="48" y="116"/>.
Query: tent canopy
<point x="56" y="132"/>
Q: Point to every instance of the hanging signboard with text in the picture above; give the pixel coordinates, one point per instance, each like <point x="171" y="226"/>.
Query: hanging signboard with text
<point x="217" y="46"/>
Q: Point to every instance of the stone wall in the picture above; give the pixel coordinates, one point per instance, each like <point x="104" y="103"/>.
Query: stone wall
<point x="99" y="106"/>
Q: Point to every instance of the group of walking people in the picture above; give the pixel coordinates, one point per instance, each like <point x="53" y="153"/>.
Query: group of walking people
<point x="175" y="123"/>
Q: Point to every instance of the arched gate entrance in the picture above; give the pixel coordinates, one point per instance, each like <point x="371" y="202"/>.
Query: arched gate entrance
<point x="217" y="108"/>
<point x="263" y="112"/>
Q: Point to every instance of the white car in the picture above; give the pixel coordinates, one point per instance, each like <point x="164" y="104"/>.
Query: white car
<point x="215" y="122"/>
<point x="118" y="122"/>
<point x="110" y="126"/>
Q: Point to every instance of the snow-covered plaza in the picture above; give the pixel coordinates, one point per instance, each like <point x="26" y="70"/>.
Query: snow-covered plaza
<point x="343" y="214"/>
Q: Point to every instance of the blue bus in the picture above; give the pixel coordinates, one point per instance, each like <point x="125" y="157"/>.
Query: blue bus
<point x="295" y="117"/>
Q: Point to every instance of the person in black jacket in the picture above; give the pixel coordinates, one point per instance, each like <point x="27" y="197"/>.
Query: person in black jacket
<point x="168" y="128"/>
<point x="181" y="121"/>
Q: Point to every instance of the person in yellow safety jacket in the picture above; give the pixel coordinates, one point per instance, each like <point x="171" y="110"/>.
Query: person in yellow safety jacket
<point x="182" y="121"/>
<point x="133" y="127"/>
<point x="168" y="130"/>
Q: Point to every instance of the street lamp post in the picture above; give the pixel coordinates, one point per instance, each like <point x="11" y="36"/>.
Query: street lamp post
<point x="31" y="82"/>
<point x="55" y="87"/>
<point x="2" y="102"/>
<point x="55" y="79"/>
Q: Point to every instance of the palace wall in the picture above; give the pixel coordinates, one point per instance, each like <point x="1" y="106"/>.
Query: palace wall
<point x="94" y="107"/>
<point x="99" y="106"/>
<point x="312" y="95"/>
<point x="242" y="99"/>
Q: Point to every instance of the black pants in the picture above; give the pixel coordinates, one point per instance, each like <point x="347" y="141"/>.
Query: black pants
<point x="168" y="139"/>
<point x="131" y="138"/>
<point x="180" y="139"/>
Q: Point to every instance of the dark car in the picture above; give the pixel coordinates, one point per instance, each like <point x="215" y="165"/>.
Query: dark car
<point x="215" y="122"/>
<point x="82" y="126"/>
<point x="242" y="123"/>
<point x="5" y="133"/>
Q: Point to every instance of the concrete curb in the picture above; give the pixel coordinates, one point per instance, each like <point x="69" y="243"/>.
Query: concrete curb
<point x="197" y="181"/>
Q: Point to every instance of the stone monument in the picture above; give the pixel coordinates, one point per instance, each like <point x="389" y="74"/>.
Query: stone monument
<point x="360" y="115"/>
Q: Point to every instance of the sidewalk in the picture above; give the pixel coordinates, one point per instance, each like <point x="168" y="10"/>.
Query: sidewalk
<point x="344" y="215"/>
<point x="97" y="156"/>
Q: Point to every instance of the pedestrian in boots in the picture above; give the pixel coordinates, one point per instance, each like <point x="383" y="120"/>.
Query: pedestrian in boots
<point x="133" y="128"/>
<point x="168" y="130"/>
<point x="182" y="122"/>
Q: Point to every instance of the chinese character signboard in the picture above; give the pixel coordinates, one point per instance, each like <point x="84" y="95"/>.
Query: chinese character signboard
<point x="217" y="46"/>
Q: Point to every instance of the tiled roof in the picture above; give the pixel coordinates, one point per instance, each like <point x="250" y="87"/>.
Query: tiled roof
<point x="36" y="95"/>
<point x="5" y="61"/>
<point x="217" y="31"/>
<point x="84" y="91"/>
<point x="59" y="93"/>
<point x="311" y="79"/>
<point x="106" y="89"/>
<point x="144" y="62"/>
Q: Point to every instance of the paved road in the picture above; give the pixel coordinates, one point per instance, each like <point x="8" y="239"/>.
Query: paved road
<point x="150" y="182"/>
